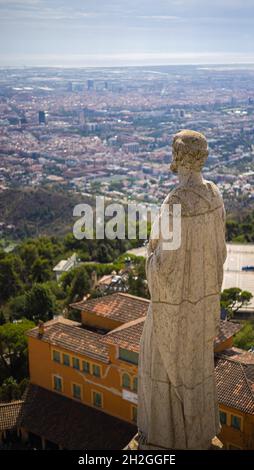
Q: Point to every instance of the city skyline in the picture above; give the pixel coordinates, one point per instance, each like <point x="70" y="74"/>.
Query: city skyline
<point x="121" y="32"/>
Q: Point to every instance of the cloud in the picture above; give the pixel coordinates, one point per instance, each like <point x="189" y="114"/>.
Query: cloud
<point x="231" y="4"/>
<point x="121" y="26"/>
<point x="36" y="10"/>
<point x="160" y="17"/>
<point x="104" y="60"/>
<point x="9" y="3"/>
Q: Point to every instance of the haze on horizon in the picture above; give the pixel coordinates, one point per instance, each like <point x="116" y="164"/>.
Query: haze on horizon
<point x="125" y="32"/>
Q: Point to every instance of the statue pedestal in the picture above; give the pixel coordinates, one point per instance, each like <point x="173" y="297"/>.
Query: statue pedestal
<point x="216" y="444"/>
<point x="134" y="444"/>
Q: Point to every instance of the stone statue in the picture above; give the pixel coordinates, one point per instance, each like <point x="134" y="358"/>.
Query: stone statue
<point x="177" y="399"/>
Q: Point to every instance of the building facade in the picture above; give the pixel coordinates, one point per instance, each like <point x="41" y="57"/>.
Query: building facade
<point x="81" y="360"/>
<point x="95" y="363"/>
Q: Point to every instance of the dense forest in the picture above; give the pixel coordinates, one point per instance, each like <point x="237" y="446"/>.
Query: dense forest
<point x="27" y="281"/>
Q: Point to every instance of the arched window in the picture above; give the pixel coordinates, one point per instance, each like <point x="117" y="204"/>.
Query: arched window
<point x="135" y="384"/>
<point x="126" y="381"/>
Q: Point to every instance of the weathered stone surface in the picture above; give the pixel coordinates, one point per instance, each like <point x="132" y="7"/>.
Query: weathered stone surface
<point x="177" y="399"/>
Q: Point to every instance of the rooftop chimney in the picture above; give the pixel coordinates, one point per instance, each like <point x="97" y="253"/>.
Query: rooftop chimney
<point x="40" y="328"/>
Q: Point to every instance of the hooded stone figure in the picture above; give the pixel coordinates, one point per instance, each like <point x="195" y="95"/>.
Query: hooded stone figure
<point x="177" y="399"/>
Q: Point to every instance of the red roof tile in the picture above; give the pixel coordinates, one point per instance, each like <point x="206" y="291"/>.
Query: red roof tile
<point x="227" y="330"/>
<point x="126" y="336"/>
<point x="240" y="355"/>
<point x="72" y="336"/>
<point x="9" y="413"/>
<point x="119" y="306"/>
<point x="234" y="388"/>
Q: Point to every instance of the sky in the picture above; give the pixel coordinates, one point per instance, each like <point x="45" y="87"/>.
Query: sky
<point x="125" y="32"/>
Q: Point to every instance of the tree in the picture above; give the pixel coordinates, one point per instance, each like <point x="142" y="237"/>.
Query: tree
<point x="70" y="242"/>
<point x="17" y="307"/>
<point x="10" y="282"/>
<point x="103" y="253"/>
<point x="40" y="303"/>
<point x="29" y="253"/>
<point x="80" y="285"/>
<point x="11" y="390"/>
<point x="41" y="271"/>
<point x="67" y="278"/>
<point x="245" y="338"/>
<point x="22" y="386"/>
<point x="2" y="318"/>
<point x="232" y="229"/>
<point x="240" y="227"/>
<point x="233" y="299"/>
<point x="13" y="348"/>
<point x="137" y="279"/>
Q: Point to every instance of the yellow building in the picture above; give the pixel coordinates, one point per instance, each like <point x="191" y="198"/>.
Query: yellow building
<point x="94" y="364"/>
<point x="234" y="371"/>
<point x="78" y="361"/>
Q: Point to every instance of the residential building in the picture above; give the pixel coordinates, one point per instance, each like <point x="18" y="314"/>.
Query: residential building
<point x="234" y="371"/>
<point x="65" y="265"/>
<point x="93" y="365"/>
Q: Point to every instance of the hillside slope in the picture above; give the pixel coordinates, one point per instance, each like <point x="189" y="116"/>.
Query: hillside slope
<point x="38" y="211"/>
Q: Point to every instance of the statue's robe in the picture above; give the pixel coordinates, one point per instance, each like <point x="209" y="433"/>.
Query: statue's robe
<point x="177" y="399"/>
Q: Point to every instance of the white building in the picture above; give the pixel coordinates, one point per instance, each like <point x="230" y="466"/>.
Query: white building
<point x="65" y="265"/>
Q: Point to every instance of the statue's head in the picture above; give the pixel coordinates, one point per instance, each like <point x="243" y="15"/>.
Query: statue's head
<point x="190" y="151"/>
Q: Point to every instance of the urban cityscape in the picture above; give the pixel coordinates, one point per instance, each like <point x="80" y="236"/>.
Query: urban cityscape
<point x="109" y="131"/>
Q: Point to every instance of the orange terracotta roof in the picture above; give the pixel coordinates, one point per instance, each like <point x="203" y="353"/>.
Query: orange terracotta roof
<point x="233" y="384"/>
<point x="127" y="309"/>
<point x="244" y="357"/>
<point x="119" y="306"/>
<point x="126" y="336"/>
<point x="240" y="355"/>
<point x="227" y="330"/>
<point x="9" y="413"/>
<point x="73" y="337"/>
